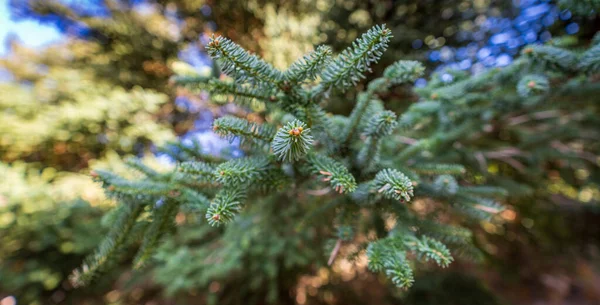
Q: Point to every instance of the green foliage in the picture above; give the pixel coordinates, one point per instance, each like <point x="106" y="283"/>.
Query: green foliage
<point x="532" y="85"/>
<point x="225" y="206"/>
<point x="333" y="172"/>
<point x="240" y="65"/>
<point x="292" y="141"/>
<point x="309" y="66"/>
<point x="108" y="251"/>
<point x="349" y="67"/>
<point x="45" y="230"/>
<point x="391" y="184"/>
<point x="581" y="7"/>
<point x="403" y="71"/>
<point x="240" y="172"/>
<point x="231" y="127"/>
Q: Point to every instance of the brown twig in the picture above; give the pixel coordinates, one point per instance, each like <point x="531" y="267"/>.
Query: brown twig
<point x="335" y="252"/>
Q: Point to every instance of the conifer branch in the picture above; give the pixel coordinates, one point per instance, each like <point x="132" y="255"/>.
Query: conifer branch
<point x="309" y="66"/>
<point x="362" y="104"/>
<point x="230" y="127"/>
<point x="292" y="141"/>
<point x="438" y="169"/>
<point x="332" y="171"/>
<point x="241" y="171"/>
<point x="109" y="248"/>
<point x="403" y="71"/>
<point x="530" y="85"/>
<point x="225" y="206"/>
<point x="349" y="67"/>
<point x="430" y="249"/>
<point x="550" y="58"/>
<point x="482" y="190"/>
<point x="243" y="94"/>
<point x="399" y="271"/>
<point x="393" y="184"/>
<point x="589" y="62"/>
<point x="163" y="216"/>
<point x="378" y="127"/>
<point x="202" y="170"/>
<point x="446" y="185"/>
<point x="241" y="65"/>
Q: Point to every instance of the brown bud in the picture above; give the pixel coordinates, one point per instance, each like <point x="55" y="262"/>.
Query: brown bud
<point x="531" y="84"/>
<point x="94" y="174"/>
<point x="325" y="173"/>
<point x="216" y="217"/>
<point x="111" y="188"/>
<point x="213" y="43"/>
<point x="434" y="96"/>
<point x="528" y="51"/>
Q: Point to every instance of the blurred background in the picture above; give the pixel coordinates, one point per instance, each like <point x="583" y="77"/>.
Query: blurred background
<point x="85" y="83"/>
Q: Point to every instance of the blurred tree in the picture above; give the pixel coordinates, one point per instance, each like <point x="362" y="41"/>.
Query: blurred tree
<point x="57" y="117"/>
<point x="64" y="116"/>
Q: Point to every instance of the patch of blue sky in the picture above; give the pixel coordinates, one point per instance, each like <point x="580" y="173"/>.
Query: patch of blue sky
<point x="29" y="32"/>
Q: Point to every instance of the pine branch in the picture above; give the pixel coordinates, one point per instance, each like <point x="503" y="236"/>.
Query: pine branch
<point x="243" y="94"/>
<point x="438" y="169"/>
<point x="531" y="85"/>
<point x="550" y="58"/>
<point x="349" y="67"/>
<point x="309" y="66"/>
<point x="378" y="127"/>
<point x="381" y="125"/>
<point x="589" y="62"/>
<point x="162" y="221"/>
<point x="108" y="250"/>
<point x="137" y="164"/>
<point x="393" y="184"/>
<point x="230" y="127"/>
<point x="332" y="171"/>
<point x="430" y="249"/>
<point x="226" y="204"/>
<point x="242" y="171"/>
<point x="399" y="271"/>
<point x="362" y="105"/>
<point x="476" y="207"/>
<point x="240" y="65"/>
<point x="403" y="71"/>
<point x="446" y="185"/>
<point x="201" y="171"/>
<point x="292" y="141"/>
<point x="484" y="190"/>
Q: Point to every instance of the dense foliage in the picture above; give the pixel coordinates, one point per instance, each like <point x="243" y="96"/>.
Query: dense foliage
<point x="399" y="188"/>
<point x="346" y="166"/>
